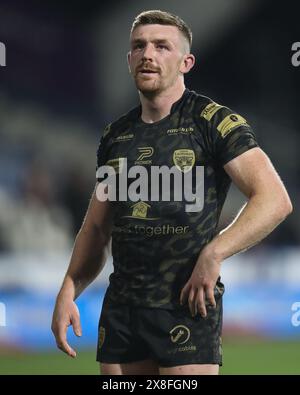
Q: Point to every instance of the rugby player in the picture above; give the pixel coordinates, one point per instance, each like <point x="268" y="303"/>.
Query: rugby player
<point x="162" y="311"/>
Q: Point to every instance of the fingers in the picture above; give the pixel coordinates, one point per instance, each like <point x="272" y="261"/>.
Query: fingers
<point x="205" y="297"/>
<point x="75" y="320"/>
<point x="62" y="344"/>
<point x="200" y="303"/>
<point x="66" y="313"/>
<point x="191" y="302"/>
<point x="60" y="333"/>
<point x="198" y="298"/>
<point x="210" y="297"/>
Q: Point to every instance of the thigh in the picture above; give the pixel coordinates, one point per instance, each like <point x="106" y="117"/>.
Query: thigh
<point x="145" y="367"/>
<point x="195" y="369"/>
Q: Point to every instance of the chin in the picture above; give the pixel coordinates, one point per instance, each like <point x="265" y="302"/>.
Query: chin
<point x="148" y="91"/>
<point x="147" y="87"/>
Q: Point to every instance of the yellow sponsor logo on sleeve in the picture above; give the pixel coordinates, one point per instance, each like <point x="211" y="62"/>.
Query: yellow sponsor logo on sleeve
<point x="229" y="123"/>
<point x="209" y="111"/>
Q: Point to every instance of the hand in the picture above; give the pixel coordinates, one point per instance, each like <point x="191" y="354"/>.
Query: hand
<point x="66" y="313"/>
<point x="200" y="286"/>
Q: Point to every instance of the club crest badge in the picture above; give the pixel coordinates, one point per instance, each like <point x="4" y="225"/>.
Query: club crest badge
<point x="184" y="159"/>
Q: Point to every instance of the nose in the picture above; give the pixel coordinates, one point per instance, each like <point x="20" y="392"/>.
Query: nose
<point x="148" y="52"/>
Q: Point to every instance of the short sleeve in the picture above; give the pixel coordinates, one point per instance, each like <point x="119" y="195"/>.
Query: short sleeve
<point x="231" y="135"/>
<point x="102" y="152"/>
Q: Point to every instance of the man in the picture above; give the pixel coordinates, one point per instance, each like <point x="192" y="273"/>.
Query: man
<point x="162" y="312"/>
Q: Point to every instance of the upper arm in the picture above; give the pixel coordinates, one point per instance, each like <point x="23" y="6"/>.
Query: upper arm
<point x="253" y="173"/>
<point x="99" y="216"/>
<point x="99" y="213"/>
<point x="232" y="144"/>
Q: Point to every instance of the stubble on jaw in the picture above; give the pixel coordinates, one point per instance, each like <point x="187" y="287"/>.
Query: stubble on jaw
<point x="158" y="85"/>
<point x="149" y="92"/>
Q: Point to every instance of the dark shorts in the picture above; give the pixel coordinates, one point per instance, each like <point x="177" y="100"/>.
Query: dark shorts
<point x="169" y="337"/>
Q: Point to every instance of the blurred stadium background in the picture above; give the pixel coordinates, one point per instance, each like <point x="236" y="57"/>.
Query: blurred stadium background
<point x="66" y="77"/>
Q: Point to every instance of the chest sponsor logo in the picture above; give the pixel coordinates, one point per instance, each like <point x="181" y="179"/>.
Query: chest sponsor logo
<point x="150" y="231"/>
<point x="184" y="159"/>
<point x="172" y="132"/>
<point x="144" y="154"/>
<point x="140" y="211"/>
<point x="124" y="138"/>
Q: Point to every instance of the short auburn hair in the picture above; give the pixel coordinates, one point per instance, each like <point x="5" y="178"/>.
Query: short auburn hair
<point x="163" y="18"/>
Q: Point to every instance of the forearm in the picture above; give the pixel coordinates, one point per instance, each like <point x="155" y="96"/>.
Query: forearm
<point x="88" y="259"/>
<point x="255" y="221"/>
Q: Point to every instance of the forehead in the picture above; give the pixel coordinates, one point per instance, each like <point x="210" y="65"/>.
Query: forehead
<point x="156" y="32"/>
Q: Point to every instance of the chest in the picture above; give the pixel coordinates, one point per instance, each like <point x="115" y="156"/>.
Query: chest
<point x="178" y="144"/>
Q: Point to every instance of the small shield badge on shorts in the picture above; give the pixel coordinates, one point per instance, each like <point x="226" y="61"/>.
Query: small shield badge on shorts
<point x="101" y="336"/>
<point x="184" y="159"/>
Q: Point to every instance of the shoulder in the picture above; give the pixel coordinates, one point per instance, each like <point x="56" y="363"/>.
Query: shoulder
<point x="216" y="115"/>
<point x="223" y="132"/>
<point x="122" y="123"/>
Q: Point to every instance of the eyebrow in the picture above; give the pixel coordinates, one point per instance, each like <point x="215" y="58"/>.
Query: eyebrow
<point x="156" y="41"/>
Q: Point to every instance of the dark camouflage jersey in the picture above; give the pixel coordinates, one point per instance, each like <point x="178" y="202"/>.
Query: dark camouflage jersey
<point x="155" y="244"/>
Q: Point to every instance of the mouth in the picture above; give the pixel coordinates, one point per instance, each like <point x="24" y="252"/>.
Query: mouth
<point x="147" y="72"/>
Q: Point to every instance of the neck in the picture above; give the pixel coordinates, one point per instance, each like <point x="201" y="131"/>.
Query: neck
<point x="158" y="106"/>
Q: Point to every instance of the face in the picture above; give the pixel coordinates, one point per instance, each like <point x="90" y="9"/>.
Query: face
<point x="158" y="57"/>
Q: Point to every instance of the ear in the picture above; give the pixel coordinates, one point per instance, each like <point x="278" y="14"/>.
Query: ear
<point x="187" y="64"/>
<point x="128" y="61"/>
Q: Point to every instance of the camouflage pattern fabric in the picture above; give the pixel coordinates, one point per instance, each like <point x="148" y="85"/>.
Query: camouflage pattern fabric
<point x="155" y="244"/>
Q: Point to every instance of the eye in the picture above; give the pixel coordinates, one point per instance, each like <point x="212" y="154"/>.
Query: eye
<point x="162" y="46"/>
<point x="138" y="46"/>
